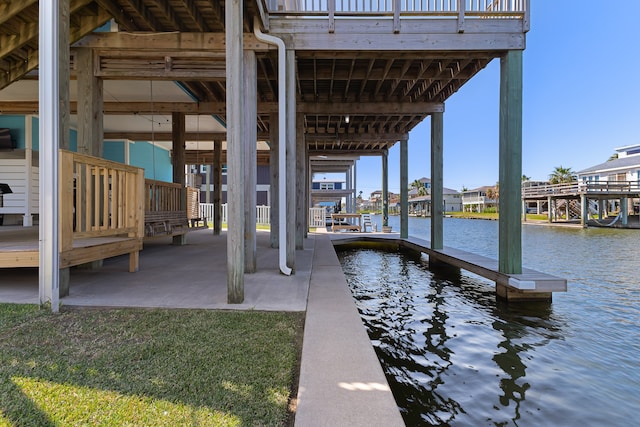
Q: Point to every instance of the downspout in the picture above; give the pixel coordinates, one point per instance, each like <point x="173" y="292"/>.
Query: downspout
<point x="282" y="149"/>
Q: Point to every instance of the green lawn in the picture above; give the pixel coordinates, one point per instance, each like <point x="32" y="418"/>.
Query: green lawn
<point x="146" y="367"/>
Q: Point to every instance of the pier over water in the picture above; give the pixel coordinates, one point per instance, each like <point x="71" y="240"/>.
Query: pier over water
<point x="530" y="285"/>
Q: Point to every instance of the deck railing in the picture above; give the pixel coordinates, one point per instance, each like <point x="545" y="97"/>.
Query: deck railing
<point x="514" y="8"/>
<point x="631" y="187"/>
<point x="98" y="198"/>
<point x="162" y="196"/>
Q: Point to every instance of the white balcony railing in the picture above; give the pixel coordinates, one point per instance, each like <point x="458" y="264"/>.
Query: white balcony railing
<point x="397" y="9"/>
<point x="387" y="7"/>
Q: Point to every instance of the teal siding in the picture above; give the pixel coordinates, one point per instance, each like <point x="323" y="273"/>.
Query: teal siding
<point x="114" y="151"/>
<point x="17" y="128"/>
<point x="155" y="160"/>
<point x="35" y="124"/>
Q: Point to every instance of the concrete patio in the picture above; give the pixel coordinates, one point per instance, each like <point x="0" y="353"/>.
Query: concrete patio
<point x="341" y="381"/>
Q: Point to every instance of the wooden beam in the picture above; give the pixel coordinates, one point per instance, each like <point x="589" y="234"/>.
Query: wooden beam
<point x="125" y="23"/>
<point x="31" y="61"/>
<point x="184" y="42"/>
<point x="9" y="9"/>
<point x="10" y="42"/>
<point x="219" y="108"/>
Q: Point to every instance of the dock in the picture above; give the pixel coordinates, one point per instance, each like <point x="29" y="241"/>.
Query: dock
<point x="530" y="285"/>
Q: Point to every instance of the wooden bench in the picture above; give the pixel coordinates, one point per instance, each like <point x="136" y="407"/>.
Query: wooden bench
<point x="165" y="223"/>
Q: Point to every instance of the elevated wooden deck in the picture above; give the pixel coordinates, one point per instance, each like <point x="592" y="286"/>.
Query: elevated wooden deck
<point x="530" y="285"/>
<point x="101" y="216"/>
<point x="19" y="247"/>
<point x="592" y="190"/>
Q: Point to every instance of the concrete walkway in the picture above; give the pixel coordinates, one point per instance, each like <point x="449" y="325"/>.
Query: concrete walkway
<point x="341" y="381"/>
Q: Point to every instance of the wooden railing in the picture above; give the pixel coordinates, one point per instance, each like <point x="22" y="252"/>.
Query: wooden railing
<point x="160" y="196"/>
<point x="99" y="198"/>
<point x="631" y="187"/>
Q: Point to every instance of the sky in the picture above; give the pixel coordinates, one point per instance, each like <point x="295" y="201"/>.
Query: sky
<point x="581" y="100"/>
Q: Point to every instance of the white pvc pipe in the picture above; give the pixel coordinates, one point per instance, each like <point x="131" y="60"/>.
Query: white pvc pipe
<point x="282" y="149"/>
<point x="48" y="281"/>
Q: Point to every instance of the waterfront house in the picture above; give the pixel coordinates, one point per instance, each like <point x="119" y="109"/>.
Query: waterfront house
<point x="476" y="200"/>
<point x="624" y="170"/>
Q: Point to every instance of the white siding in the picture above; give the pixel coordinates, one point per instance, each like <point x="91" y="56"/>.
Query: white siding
<point x="13" y="172"/>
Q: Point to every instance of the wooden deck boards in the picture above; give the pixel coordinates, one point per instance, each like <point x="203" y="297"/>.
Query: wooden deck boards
<point x="19" y="247"/>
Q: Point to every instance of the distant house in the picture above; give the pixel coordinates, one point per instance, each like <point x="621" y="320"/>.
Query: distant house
<point x="421" y="205"/>
<point x="625" y="168"/>
<point x="476" y="200"/>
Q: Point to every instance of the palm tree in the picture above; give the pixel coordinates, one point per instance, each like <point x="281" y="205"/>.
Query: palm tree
<point x="416" y="184"/>
<point x="613" y="157"/>
<point x="525" y="178"/>
<point x="422" y="191"/>
<point x="562" y="175"/>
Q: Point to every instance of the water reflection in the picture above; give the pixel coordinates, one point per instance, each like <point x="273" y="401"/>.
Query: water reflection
<point x="452" y="354"/>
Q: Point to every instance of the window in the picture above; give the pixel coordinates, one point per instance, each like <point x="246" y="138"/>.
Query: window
<point x="326" y="185"/>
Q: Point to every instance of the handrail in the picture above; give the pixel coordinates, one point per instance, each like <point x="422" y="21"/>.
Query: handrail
<point x="582" y="188"/>
<point x="98" y="198"/>
<point x="483" y="8"/>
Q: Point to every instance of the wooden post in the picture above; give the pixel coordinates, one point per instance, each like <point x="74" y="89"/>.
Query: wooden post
<point x="65" y="112"/>
<point x="549" y="209"/>
<point x="385" y="189"/>
<point x="235" y="155"/>
<point x="624" y="210"/>
<point x="404" y="189"/>
<point x="584" y="204"/>
<point x="178" y="159"/>
<point x="49" y="101"/>
<point x="437" y="142"/>
<point x="90" y="105"/>
<point x="217" y="187"/>
<point x="274" y="216"/>
<point x="250" y="159"/>
<point x="301" y="182"/>
<point x="291" y="157"/>
<point x="510" y="176"/>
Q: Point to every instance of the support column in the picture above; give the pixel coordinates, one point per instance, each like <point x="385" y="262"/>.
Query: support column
<point x="27" y="219"/>
<point x="301" y="182"/>
<point x="217" y="187"/>
<point x="600" y="209"/>
<point x="49" y="101"/>
<point x="510" y="226"/>
<point x="178" y="159"/>
<point x="355" y="187"/>
<point x="549" y="209"/>
<point x="437" y="181"/>
<point x="207" y="180"/>
<point x="584" y="205"/>
<point x="404" y="189"/>
<point x="385" y="189"/>
<point x="235" y="155"/>
<point x="291" y="157"/>
<point x="90" y="105"/>
<point x="624" y="210"/>
<point x="274" y="213"/>
<point x="250" y="153"/>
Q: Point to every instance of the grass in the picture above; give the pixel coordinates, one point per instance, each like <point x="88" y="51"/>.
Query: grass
<point x="147" y="367"/>
<point x="492" y="215"/>
<point x="474" y="215"/>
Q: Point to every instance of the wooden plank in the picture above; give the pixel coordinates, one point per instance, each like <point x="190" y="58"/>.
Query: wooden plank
<point x="19" y="259"/>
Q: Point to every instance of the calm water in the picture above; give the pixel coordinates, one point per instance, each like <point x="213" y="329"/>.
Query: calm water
<point x="455" y="356"/>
